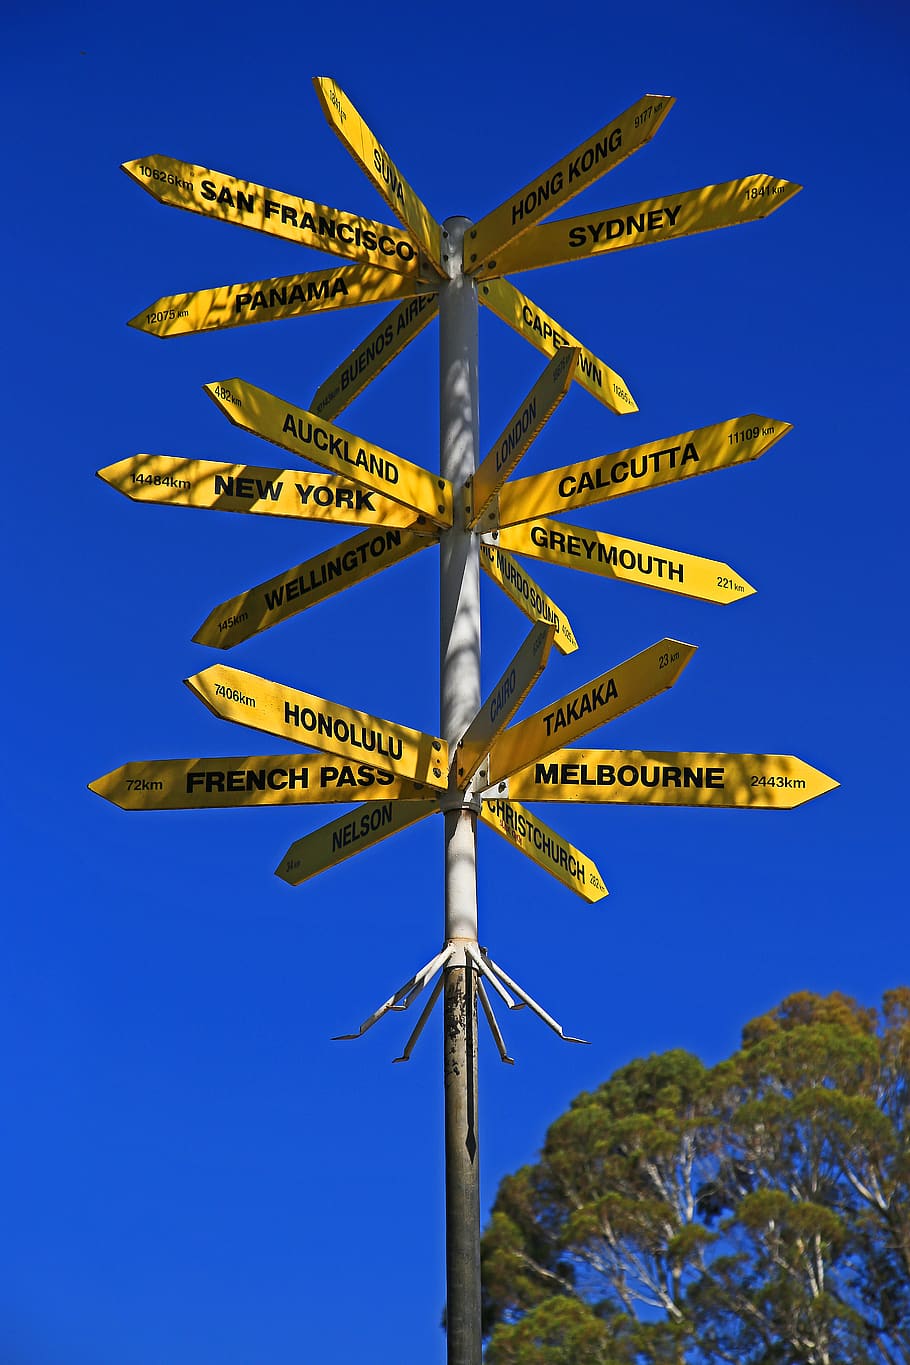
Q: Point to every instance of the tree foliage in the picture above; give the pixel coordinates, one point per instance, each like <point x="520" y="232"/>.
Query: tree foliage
<point x="756" y="1212"/>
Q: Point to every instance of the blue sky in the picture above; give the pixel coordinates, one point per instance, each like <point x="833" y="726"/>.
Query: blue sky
<point x="195" y="1172"/>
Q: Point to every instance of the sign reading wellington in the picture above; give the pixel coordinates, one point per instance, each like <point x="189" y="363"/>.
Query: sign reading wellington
<point x="265" y="780"/>
<point x="313" y="438"/>
<point x="186" y="186"/>
<point x="656" y="220"/>
<point x="587" y="708"/>
<point x="306" y="585"/>
<point x="633" y="777"/>
<point x="247" y="699"/>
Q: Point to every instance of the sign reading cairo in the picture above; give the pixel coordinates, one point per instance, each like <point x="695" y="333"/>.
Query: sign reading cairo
<point x="247" y="699"/>
<point x="630" y="561"/>
<point x="264" y="780"/>
<point x="314" y="438"/>
<point x="175" y="482"/>
<point x="370" y="358"/>
<point x="599" y="701"/>
<point x="504" y="700"/>
<point x="655" y="220"/>
<point x="521" y="430"/>
<point x="378" y="166"/>
<point x="567" y="177"/>
<point x="217" y="195"/>
<point x="350" y="834"/>
<point x="648" y="466"/>
<point x="305" y="585"/>
<point x="548" y="336"/>
<point x="288" y="296"/>
<point x="508" y="574"/>
<point x="634" y="777"/>
<point x="545" y="847"/>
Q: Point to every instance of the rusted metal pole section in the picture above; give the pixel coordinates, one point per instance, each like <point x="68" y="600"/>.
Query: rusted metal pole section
<point x="460" y="699"/>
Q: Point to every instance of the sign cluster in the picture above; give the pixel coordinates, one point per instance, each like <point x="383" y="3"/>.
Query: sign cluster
<point x="397" y="508"/>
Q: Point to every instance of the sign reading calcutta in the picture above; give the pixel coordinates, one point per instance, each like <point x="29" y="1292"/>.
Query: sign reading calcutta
<point x="186" y="186"/>
<point x="315" y="439"/>
<point x="649" y="466"/>
<point x="250" y="700"/>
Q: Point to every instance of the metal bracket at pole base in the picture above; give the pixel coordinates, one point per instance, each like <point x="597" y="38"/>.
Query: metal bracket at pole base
<point x="460" y="954"/>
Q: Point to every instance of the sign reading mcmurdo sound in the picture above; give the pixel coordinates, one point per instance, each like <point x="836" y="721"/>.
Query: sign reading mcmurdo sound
<point x="484" y="763"/>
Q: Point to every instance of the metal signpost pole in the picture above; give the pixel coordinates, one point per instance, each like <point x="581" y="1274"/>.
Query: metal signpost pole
<point x="460" y="698"/>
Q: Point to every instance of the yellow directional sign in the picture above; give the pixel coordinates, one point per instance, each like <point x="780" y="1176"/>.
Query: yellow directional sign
<point x="537" y="327"/>
<point x="378" y="166"/>
<point x="186" y="186"/>
<point x="567" y="177"/>
<point x="247" y="699"/>
<point x="649" y="466"/>
<point x="312" y="438"/>
<point x="521" y="430"/>
<point x="547" y="848"/>
<point x="587" y="708"/>
<point x="305" y="585"/>
<point x="261" y="780"/>
<point x="630" y="561"/>
<point x="531" y="599"/>
<point x="383" y="344"/>
<point x="655" y="220"/>
<point x="632" y="777"/>
<point x="363" y="827"/>
<point x="177" y="482"/>
<point x="505" y="699"/>
<point x="289" y="296"/>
